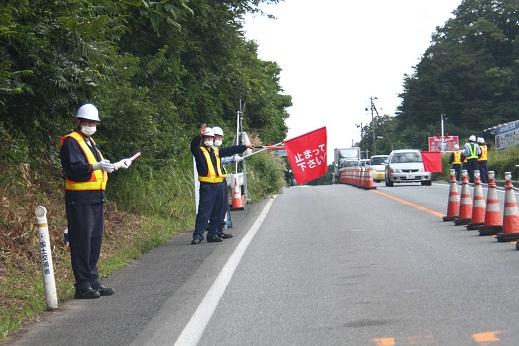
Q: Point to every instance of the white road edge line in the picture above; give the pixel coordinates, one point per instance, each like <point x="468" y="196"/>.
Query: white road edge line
<point x="196" y="326"/>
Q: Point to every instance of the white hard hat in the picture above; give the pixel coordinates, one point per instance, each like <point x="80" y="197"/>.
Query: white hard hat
<point x="472" y="138"/>
<point x="481" y="140"/>
<point x="218" y="131"/>
<point x="209" y="132"/>
<point x="88" y="111"/>
<point x="456" y="146"/>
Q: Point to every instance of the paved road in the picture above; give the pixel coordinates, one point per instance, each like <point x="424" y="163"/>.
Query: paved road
<point x="326" y="265"/>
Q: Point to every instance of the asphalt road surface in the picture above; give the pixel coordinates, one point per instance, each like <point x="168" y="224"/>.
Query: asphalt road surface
<point x="325" y="265"/>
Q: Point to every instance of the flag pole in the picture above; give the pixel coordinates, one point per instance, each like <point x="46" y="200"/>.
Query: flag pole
<point x="261" y="150"/>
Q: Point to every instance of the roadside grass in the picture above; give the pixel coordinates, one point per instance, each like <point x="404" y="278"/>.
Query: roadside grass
<point x="22" y="288"/>
<point x="160" y="209"/>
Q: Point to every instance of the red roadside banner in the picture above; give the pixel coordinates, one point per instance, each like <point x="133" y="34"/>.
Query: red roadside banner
<point x="432" y="161"/>
<point x="307" y="155"/>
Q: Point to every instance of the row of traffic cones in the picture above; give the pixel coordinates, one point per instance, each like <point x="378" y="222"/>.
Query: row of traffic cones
<point x="358" y="176"/>
<point x="486" y="218"/>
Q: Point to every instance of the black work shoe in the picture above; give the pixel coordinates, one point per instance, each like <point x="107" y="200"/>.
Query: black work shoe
<point x="214" y="240"/>
<point x="225" y="235"/>
<point x="196" y="241"/>
<point x="87" y="294"/>
<point x="105" y="291"/>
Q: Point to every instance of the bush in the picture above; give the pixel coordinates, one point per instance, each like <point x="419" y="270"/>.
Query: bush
<point x="265" y="175"/>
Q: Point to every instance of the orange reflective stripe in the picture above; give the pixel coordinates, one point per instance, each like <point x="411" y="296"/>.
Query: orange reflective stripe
<point x="70" y="185"/>
<point x="98" y="179"/>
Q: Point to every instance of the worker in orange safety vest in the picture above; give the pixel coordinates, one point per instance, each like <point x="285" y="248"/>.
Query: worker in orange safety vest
<point x="86" y="176"/>
<point x="455" y="161"/>
<point x="210" y="176"/>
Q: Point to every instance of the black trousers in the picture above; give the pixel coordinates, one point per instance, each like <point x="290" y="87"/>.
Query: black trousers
<point x="457" y="170"/>
<point x="472" y="165"/>
<point x="209" y="210"/>
<point x="483" y="170"/>
<point x="85" y="232"/>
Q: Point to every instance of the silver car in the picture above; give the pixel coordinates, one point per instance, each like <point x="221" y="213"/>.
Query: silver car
<point x="406" y="166"/>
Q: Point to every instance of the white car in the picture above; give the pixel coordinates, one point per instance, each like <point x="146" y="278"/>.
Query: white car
<point x="378" y="167"/>
<point x="406" y="166"/>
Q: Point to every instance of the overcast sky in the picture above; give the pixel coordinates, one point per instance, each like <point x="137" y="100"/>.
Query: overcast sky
<point x="336" y="54"/>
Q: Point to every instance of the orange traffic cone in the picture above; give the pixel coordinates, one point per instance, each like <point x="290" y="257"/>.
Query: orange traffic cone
<point x="369" y="183"/>
<point x="453" y="206"/>
<point x="510" y="229"/>
<point x="478" y="204"/>
<point x="465" y="213"/>
<point x="360" y="181"/>
<point x="356" y="179"/>
<point x="493" y="221"/>
<point x="236" y="197"/>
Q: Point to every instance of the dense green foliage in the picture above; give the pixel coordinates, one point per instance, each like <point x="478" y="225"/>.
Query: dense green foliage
<point x="155" y="70"/>
<point x="470" y="73"/>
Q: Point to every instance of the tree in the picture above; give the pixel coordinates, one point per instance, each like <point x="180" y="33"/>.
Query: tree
<point x="469" y="73"/>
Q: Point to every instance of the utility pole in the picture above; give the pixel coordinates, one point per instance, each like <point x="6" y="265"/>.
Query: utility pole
<point x="361" y="135"/>
<point x="383" y="127"/>
<point x="443" y="135"/>
<point x="373" y="124"/>
<point x="239" y="138"/>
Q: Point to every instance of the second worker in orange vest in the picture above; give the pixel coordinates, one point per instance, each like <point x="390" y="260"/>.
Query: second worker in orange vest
<point x="455" y="161"/>
<point x="483" y="159"/>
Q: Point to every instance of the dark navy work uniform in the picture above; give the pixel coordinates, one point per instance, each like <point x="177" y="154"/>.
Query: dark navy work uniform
<point x="84" y="198"/>
<point x="210" y="175"/>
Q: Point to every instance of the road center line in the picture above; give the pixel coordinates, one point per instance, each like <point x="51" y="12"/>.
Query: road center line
<point x="198" y="322"/>
<point x="430" y="211"/>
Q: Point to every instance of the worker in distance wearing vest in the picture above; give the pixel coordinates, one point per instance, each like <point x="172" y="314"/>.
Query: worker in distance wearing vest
<point x="472" y="151"/>
<point x="455" y="161"/>
<point x="483" y="160"/>
<point x="218" y="137"/>
<point x="210" y="176"/>
<point x="85" y="184"/>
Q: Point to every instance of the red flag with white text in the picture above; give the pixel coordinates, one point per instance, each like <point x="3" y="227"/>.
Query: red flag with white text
<point x="307" y="155"/>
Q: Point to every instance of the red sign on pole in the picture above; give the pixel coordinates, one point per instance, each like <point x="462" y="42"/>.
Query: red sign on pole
<point x="445" y="144"/>
<point x="307" y="155"/>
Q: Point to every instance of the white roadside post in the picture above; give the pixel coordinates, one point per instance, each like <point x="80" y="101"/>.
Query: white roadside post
<point x="196" y="185"/>
<point x="49" y="284"/>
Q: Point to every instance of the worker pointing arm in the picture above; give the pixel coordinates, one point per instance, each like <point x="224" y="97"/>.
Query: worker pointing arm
<point x="210" y="175"/>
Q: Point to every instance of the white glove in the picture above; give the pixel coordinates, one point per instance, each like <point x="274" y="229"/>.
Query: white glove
<point x="105" y="166"/>
<point x="237" y="158"/>
<point x="124" y="163"/>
